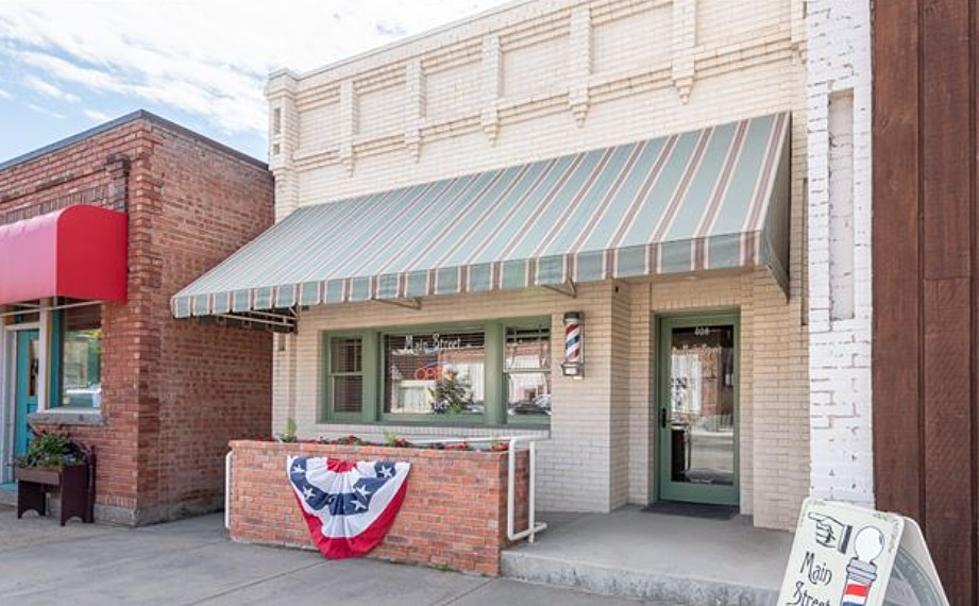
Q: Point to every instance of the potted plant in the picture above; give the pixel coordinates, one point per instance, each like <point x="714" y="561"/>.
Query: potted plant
<point x="54" y="461"/>
<point x="47" y="453"/>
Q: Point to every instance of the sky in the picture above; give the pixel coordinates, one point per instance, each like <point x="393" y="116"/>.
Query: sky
<point x="69" y="65"/>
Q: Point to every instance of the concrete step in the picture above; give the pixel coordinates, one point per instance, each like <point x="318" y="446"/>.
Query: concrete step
<point x="636" y="584"/>
<point x="652" y="556"/>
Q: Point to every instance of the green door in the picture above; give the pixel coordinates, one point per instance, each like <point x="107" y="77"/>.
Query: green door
<point x="25" y="387"/>
<point x="697" y="408"/>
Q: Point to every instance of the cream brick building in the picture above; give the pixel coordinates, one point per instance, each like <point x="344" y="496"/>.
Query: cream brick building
<point x="507" y="91"/>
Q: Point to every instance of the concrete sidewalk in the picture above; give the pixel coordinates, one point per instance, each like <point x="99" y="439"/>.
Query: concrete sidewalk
<point x="193" y="562"/>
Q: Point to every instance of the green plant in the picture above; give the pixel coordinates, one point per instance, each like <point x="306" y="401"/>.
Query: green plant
<point x="499" y="445"/>
<point x="395" y="441"/>
<point x="50" y="449"/>
<point x="450" y="395"/>
<point x="289" y="435"/>
<point x="350" y="440"/>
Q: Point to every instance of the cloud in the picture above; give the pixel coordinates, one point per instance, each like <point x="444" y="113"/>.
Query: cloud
<point x="5" y="95"/>
<point x="49" y="90"/>
<point x="209" y="58"/>
<point x="95" y="116"/>
<point x="47" y="112"/>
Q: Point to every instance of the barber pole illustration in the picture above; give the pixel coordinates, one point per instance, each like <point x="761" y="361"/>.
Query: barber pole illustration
<point x="861" y="572"/>
<point x="573" y="365"/>
<point x="349" y="506"/>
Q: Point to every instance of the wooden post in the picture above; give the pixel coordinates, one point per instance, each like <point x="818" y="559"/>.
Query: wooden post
<point x="926" y="329"/>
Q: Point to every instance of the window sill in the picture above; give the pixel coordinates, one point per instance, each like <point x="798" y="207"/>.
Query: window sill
<point x="67" y="416"/>
<point x="327" y="424"/>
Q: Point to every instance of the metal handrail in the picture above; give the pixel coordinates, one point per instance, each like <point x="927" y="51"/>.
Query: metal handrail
<point x="532" y="526"/>
<point x="227" y="489"/>
<point x="513" y="442"/>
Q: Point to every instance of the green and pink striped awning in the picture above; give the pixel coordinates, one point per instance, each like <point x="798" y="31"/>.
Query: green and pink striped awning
<point x="716" y="198"/>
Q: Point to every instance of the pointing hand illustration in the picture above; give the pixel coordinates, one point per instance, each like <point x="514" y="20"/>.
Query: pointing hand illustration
<point x="830" y="532"/>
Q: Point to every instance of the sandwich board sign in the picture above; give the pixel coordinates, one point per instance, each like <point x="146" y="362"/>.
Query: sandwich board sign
<point x="844" y="555"/>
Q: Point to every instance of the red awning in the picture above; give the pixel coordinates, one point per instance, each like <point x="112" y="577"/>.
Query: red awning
<point x="77" y="252"/>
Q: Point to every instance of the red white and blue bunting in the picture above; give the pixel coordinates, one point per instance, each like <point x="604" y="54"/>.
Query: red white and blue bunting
<point x="349" y="506"/>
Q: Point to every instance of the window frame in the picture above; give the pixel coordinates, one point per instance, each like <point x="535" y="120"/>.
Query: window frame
<point x="55" y="395"/>
<point x="463" y="420"/>
<point x="374" y="381"/>
<point x="526" y="323"/>
<point x="328" y="412"/>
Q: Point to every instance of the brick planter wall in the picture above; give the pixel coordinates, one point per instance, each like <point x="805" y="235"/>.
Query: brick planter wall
<point x="454" y="513"/>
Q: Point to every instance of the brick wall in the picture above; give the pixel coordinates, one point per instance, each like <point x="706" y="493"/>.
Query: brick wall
<point x="499" y="90"/>
<point x="82" y="173"/>
<point x="204" y="384"/>
<point x="454" y="513"/>
<point x="174" y="392"/>
<point x="601" y="452"/>
<point x="840" y="296"/>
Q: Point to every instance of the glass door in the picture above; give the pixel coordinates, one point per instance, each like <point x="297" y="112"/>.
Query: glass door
<point x="25" y="387"/>
<point x="697" y="409"/>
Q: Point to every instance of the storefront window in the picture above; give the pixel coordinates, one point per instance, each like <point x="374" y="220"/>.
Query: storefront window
<point x="346" y="374"/>
<point x="80" y="344"/>
<point x="528" y="372"/>
<point x="435" y="373"/>
<point x="494" y="372"/>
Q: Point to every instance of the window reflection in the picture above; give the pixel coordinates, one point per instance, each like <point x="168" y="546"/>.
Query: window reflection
<point x="528" y="372"/>
<point x="435" y="373"/>
<point x="81" y="357"/>
<point x="702" y="398"/>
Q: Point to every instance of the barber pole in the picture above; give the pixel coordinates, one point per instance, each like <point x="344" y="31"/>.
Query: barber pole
<point x="573" y="365"/>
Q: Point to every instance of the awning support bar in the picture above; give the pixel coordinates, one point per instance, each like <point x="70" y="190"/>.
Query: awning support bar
<point x="270" y="315"/>
<point x="567" y="289"/>
<point x="283" y="323"/>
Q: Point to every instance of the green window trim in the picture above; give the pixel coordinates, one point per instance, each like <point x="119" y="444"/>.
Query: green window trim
<point x="368" y="353"/>
<point x="373" y="385"/>
<point x="54" y="357"/>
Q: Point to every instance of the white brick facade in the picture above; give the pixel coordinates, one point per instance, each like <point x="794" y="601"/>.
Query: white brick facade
<point x="536" y="80"/>
<point x="839" y="224"/>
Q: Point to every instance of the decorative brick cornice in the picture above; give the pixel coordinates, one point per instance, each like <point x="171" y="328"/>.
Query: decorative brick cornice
<point x="684" y="41"/>
<point x="489" y="106"/>
<point x="492" y="85"/>
<point x="579" y="60"/>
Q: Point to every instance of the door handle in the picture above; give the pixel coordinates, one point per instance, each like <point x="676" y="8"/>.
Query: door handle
<point x="662" y="418"/>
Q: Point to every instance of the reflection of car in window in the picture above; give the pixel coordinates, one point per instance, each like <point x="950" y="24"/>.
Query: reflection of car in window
<point x="90" y="396"/>
<point x="539" y="405"/>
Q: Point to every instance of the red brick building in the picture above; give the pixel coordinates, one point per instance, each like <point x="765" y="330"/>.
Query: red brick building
<point x="158" y="398"/>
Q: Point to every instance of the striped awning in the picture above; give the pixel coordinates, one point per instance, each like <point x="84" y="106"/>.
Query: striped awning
<point x="716" y="198"/>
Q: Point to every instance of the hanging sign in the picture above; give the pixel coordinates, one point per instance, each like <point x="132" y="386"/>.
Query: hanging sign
<point x="844" y="555"/>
